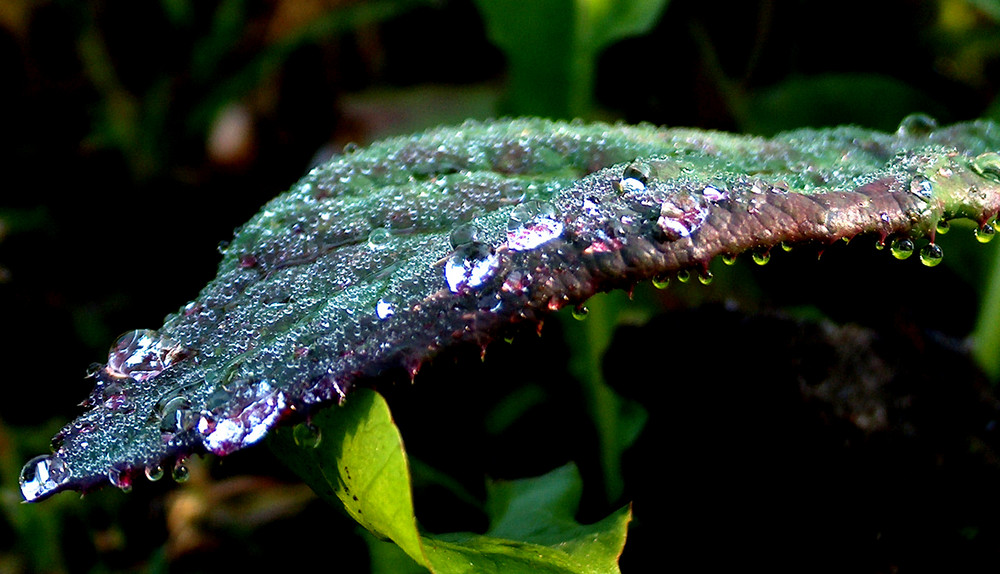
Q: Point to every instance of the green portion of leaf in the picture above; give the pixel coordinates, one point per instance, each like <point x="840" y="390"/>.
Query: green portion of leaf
<point x="353" y="457"/>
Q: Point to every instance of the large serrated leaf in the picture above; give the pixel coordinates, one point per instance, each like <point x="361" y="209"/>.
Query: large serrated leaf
<point x="383" y="257"/>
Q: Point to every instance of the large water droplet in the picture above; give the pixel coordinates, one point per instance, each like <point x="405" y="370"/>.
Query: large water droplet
<point x="922" y="187"/>
<point x="463" y="234"/>
<point x="142" y="354"/>
<point x="180" y="472"/>
<point x="385" y="308"/>
<point x="661" y="281"/>
<point x="917" y="125"/>
<point x="154" y="472"/>
<point x="682" y="215"/>
<point x="42" y="476"/>
<point x="580" y="312"/>
<point x="532" y="224"/>
<point x="469" y="267"/>
<point x="121" y="478"/>
<point x="307" y="435"/>
<point x="761" y="257"/>
<point x="988" y="165"/>
<point x="985" y="233"/>
<point x="379" y="238"/>
<point x="931" y="255"/>
<point x="901" y="247"/>
<point x="176" y="415"/>
<point x="943" y="226"/>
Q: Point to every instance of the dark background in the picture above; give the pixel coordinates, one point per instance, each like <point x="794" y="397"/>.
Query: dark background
<point x="114" y="198"/>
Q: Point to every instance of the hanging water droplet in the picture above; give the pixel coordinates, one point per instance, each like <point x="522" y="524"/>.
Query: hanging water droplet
<point x="683" y="275"/>
<point x="307" y="435"/>
<point x="931" y="255"/>
<point x="786" y="246"/>
<point x="917" y="125"/>
<point x="120" y="478"/>
<point x="661" y="281"/>
<point x="705" y="277"/>
<point x="985" y="233"/>
<point x="580" y="312"/>
<point x="729" y="258"/>
<point x="901" y="247"/>
<point x="761" y="257"/>
<point x="988" y="165"/>
<point x="42" y="476"/>
<point x="154" y="472"/>
<point x="942" y="227"/>
<point x="379" y="238"/>
<point x="180" y="473"/>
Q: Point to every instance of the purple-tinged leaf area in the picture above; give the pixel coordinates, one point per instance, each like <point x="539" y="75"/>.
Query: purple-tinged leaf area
<point x="379" y="259"/>
<point x="353" y="457"/>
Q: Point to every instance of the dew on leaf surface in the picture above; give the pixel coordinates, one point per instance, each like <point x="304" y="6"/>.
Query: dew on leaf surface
<point x="142" y="354"/>
<point x="532" y="224"/>
<point x="470" y="266"/>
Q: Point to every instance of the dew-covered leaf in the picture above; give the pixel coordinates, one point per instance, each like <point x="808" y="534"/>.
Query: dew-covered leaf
<point x="379" y="259"/>
<point x="353" y="456"/>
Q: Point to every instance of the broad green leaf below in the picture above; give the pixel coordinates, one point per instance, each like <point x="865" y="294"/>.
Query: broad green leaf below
<point x="353" y="457"/>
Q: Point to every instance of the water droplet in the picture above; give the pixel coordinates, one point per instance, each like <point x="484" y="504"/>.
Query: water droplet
<point x="661" y="281"/>
<point x="931" y="255"/>
<point x="580" y="312"/>
<point x="42" y="476"/>
<point x="761" y="257"/>
<point x="705" y="277"/>
<point x="715" y="191"/>
<point x="917" y="125"/>
<point x="463" y="234"/>
<point x="786" y="246"/>
<point x="683" y="275"/>
<point x="120" y="478"/>
<point x="682" y="215"/>
<point x="385" y="308"/>
<point x="729" y="258"/>
<point x="988" y="165"/>
<point x="142" y="354"/>
<point x="901" y="247"/>
<point x="922" y="187"/>
<point x="942" y="227"/>
<point x="985" y="233"/>
<point x="469" y="267"/>
<point x="379" y="238"/>
<point x="639" y="171"/>
<point x="176" y="415"/>
<point x="154" y="472"/>
<point x="532" y="224"/>
<point x="307" y="435"/>
<point x="180" y="473"/>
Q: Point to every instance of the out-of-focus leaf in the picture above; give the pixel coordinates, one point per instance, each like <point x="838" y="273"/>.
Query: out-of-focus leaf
<point x="876" y="102"/>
